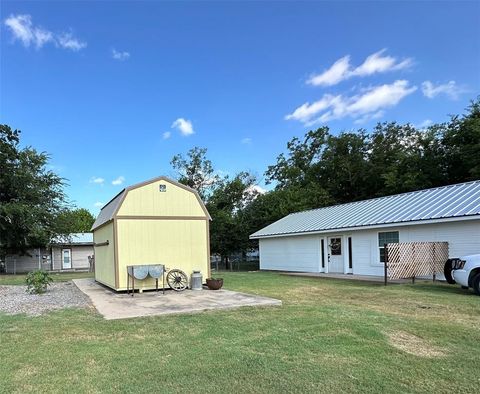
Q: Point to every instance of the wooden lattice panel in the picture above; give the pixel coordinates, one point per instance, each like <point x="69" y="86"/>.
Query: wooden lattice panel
<point x="414" y="259"/>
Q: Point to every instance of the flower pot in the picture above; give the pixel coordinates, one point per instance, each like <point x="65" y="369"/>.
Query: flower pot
<point x="215" y="284"/>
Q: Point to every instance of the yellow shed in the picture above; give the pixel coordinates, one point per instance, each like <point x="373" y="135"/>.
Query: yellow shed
<point x="159" y="221"/>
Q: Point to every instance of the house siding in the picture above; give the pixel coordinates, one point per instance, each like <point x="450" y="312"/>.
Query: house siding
<point x="105" y="255"/>
<point x="302" y="252"/>
<point x="178" y="244"/>
<point x="149" y="201"/>
<point x="80" y="255"/>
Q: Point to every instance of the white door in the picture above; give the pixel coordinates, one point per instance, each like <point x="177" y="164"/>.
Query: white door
<point x="66" y="259"/>
<point x="335" y="257"/>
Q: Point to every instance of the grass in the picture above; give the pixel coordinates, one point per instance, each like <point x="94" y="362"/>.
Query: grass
<point x="329" y="336"/>
<point x="57" y="277"/>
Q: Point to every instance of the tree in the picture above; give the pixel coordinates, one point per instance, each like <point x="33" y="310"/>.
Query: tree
<point x="78" y="220"/>
<point x="298" y="168"/>
<point x="461" y="141"/>
<point x="196" y="171"/>
<point x="229" y="233"/>
<point x="31" y="197"/>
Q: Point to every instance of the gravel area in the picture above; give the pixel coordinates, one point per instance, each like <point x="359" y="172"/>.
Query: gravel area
<point x="14" y="299"/>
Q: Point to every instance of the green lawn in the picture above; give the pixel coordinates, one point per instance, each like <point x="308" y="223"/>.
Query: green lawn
<point x="57" y="277"/>
<point x="329" y="336"/>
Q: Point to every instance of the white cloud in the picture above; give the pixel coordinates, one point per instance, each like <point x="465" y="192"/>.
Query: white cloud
<point x="370" y="104"/>
<point x="118" y="181"/>
<point x="370" y="116"/>
<point x="23" y="29"/>
<point x="450" y="89"/>
<point x="423" y="125"/>
<point x="378" y="63"/>
<point x="97" y="180"/>
<point x="257" y="189"/>
<point x="373" y="64"/>
<point x="336" y="73"/>
<point x="67" y="41"/>
<point x="246" y="140"/>
<point x="167" y="135"/>
<point x="120" y="55"/>
<point x="184" y="126"/>
<point x="98" y="204"/>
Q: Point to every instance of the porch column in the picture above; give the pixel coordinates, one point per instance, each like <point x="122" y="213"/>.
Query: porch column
<point x="325" y="253"/>
<point x="345" y="254"/>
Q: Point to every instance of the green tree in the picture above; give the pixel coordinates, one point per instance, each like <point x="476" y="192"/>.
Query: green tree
<point x="461" y="141"/>
<point x="229" y="232"/>
<point x="196" y="171"/>
<point x="78" y="220"/>
<point x="31" y="197"/>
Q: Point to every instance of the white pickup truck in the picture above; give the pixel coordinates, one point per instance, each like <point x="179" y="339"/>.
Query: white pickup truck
<point x="465" y="271"/>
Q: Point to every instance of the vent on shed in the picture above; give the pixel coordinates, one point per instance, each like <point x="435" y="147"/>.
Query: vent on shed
<point x="163" y="188"/>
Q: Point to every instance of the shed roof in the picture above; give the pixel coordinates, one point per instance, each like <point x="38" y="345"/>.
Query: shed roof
<point x="453" y="201"/>
<point x="75" y="239"/>
<point x="111" y="208"/>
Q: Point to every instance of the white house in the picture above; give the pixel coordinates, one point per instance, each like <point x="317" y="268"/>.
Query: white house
<point x="349" y="238"/>
<point x="64" y="254"/>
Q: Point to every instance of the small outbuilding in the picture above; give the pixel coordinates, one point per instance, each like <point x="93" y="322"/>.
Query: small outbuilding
<point x="350" y="238"/>
<point x="159" y="221"/>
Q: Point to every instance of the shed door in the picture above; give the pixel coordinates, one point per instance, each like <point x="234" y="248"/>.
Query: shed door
<point x="66" y="259"/>
<point x="335" y="255"/>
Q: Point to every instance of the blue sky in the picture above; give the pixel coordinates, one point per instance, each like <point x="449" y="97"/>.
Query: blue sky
<point x="112" y="90"/>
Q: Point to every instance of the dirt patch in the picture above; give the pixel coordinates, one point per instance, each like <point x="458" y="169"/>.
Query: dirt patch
<point x="412" y="344"/>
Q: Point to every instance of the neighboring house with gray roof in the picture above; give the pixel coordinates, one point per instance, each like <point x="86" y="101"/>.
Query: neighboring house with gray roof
<point x="70" y="253"/>
<point x="349" y="238"/>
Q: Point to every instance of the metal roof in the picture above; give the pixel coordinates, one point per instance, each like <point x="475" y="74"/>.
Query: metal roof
<point x="108" y="210"/>
<point x="453" y="201"/>
<point x="75" y="239"/>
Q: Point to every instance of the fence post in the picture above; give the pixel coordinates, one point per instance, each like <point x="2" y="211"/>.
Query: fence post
<point x="385" y="262"/>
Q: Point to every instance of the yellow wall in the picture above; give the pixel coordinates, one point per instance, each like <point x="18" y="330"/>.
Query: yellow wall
<point x="149" y="201"/>
<point x="178" y="244"/>
<point x="104" y="255"/>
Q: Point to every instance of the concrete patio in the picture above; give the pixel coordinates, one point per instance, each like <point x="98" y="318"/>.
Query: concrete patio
<point x="114" y="305"/>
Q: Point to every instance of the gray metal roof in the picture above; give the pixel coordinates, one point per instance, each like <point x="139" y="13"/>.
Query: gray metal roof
<point x="451" y="201"/>
<point x="109" y="210"/>
<point x="75" y="239"/>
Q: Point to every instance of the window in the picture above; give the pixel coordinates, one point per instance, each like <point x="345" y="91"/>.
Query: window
<point x="390" y="237"/>
<point x="336" y="246"/>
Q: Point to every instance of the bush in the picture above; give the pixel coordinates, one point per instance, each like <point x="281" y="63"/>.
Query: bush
<point x="37" y="281"/>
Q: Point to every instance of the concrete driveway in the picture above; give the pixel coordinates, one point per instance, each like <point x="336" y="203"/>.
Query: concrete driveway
<point x="113" y="305"/>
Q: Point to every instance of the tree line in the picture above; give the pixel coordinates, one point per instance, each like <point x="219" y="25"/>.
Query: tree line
<point x="321" y="168"/>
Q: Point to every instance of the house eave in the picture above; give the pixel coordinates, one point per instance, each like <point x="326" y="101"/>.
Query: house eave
<point x="368" y="227"/>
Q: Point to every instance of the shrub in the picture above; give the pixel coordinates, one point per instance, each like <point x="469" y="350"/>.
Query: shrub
<point x="37" y="281"/>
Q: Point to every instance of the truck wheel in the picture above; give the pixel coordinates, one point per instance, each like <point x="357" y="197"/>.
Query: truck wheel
<point x="476" y="284"/>
<point x="447" y="271"/>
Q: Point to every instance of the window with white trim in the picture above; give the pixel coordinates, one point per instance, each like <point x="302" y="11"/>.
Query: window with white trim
<point x="389" y="237"/>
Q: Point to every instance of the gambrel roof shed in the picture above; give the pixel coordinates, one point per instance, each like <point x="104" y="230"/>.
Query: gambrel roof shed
<point x="156" y="222"/>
